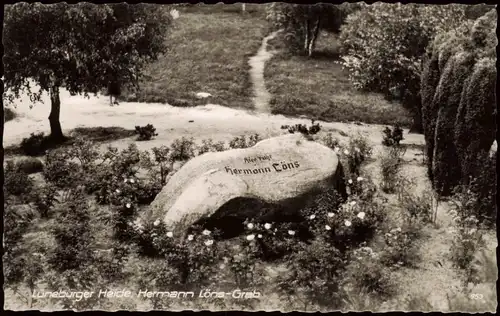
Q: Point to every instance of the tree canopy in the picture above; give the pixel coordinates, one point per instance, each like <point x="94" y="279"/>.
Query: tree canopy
<point x="303" y="22"/>
<point x="80" y="47"/>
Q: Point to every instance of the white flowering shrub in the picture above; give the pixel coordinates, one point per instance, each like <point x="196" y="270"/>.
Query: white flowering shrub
<point x="273" y="240"/>
<point x="363" y="187"/>
<point x="345" y="225"/>
<point x="192" y="257"/>
<point x="242" y="264"/>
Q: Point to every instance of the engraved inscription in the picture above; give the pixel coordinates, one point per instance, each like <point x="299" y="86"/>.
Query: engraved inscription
<point x="257" y="158"/>
<point x="274" y="167"/>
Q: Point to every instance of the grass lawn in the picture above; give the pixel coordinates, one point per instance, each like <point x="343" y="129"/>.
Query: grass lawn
<point x="319" y="88"/>
<point x="209" y="47"/>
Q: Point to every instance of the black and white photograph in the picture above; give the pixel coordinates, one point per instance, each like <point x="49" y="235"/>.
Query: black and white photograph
<point x="271" y="156"/>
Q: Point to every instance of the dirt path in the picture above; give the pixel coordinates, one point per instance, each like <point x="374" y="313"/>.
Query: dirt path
<point x="261" y="95"/>
<point x="208" y="121"/>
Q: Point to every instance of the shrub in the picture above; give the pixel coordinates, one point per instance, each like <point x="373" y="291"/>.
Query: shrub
<point x="192" y="258"/>
<point x="313" y="270"/>
<point x="243" y="142"/>
<point x="402" y="246"/>
<point x="468" y="237"/>
<point x="182" y="149"/>
<point x="475" y="127"/>
<point x="60" y="171"/>
<point x="429" y="81"/>
<point x="116" y="169"/>
<point x="102" y="133"/>
<point x="344" y="224"/>
<point x="156" y="275"/>
<point x="110" y="262"/>
<point x="72" y="234"/>
<point x="17" y="220"/>
<point x="390" y="167"/>
<point x="9" y="114"/>
<point x="330" y="141"/>
<point x="363" y="187"/>
<point x="392" y="137"/>
<point x="274" y="240"/>
<point x="30" y="165"/>
<point x="421" y="207"/>
<point x="160" y="166"/>
<point x="484" y="185"/>
<point x="85" y="278"/>
<point x="17" y="182"/>
<point x="355" y="223"/>
<point x="357" y="152"/>
<point x="86" y="152"/>
<point x="44" y="199"/>
<point x="208" y="145"/>
<point x="242" y="264"/>
<point x="122" y="216"/>
<point x="446" y="168"/>
<point x="34" y="145"/>
<point x="367" y="274"/>
<point x="383" y="45"/>
<point x="311" y="130"/>
<point x="453" y="110"/>
<point x="439" y="52"/>
<point x="146" y="132"/>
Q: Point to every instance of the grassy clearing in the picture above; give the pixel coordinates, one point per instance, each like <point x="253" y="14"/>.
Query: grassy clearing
<point x="209" y="50"/>
<point x="318" y="87"/>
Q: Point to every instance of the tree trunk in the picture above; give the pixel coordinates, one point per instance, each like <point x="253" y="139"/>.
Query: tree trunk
<point x="243" y="7"/>
<point x="314" y="37"/>
<point x="55" y="110"/>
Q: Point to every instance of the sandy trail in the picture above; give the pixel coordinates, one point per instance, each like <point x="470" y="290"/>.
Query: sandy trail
<point x="261" y="95"/>
<point x="209" y="121"/>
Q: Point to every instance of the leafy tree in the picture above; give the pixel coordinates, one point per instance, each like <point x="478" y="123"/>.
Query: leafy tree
<point x="303" y="22"/>
<point x="383" y="45"/>
<point x="80" y="47"/>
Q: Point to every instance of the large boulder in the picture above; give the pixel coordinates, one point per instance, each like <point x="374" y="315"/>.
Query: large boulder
<point x="278" y="173"/>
